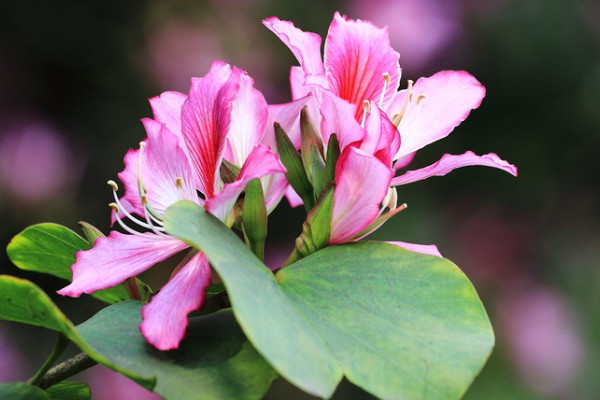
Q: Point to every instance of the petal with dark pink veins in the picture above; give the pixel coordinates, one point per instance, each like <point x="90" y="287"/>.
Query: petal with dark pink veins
<point x="357" y="55"/>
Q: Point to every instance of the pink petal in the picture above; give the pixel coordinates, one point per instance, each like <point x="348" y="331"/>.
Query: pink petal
<point x="306" y="47"/>
<point x="165" y="318"/>
<point x="357" y="54"/>
<point x="205" y="120"/>
<point x="117" y="257"/>
<point x="297" y="83"/>
<point x="382" y="138"/>
<point x="167" y="110"/>
<point x="165" y="171"/>
<point x="430" y="249"/>
<point x="451" y="162"/>
<point x="361" y="183"/>
<point x="248" y="122"/>
<point x="261" y="162"/>
<point x="450" y="97"/>
<point x="274" y="188"/>
<point x="292" y="197"/>
<point x="338" y="117"/>
<point x="287" y="115"/>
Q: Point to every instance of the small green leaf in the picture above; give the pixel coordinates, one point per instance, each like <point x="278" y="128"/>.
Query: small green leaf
<point x="50" y="248"/>
<point x="316" y="229"/>
<point x="269" y="319"/>
<point x="21" y="391"/>
<point x="254" y="218"/>
<point x="69" y="391"/>
<point x="292" y="161"/>
<point x="90" y="232"/>
<point x="22" y="301"/>
<point x="215" y="361"/>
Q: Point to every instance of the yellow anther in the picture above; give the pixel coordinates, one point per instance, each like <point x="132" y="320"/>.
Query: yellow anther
<point x="420" y="97"/>
<point x="179" y="182"/>
<point x="114" y="206"/>
<point x="144" y="199"/>
<point x="386" y="78"/>
<point x="113" y="185"/>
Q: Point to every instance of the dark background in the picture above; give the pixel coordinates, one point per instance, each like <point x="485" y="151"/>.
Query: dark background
<point x="74" y="81"/>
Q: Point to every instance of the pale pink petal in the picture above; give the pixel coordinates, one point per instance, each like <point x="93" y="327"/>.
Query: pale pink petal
<point x="382" y="138"/>
<point x="163" y="169"/>
<point x="306" y="47"/>
<point x="357" y="55"/>
<point x="205" y="120"/>
<point x="167" y="110"/>
<point x="248" y="122"/>
<point x="338" y="117"/>
<point x="451" y="162"/>
<point x="165" y="318"/>
<point x="297" y="83"/>
<point x="274" y="187"/>
<point x="287" y="115"/>
<point x="430" y="249"/>
<point x="404" y="161"/>
<point x="292" y="197"/>
<point x="361" y="183"/>
<point x="261" y="162"/>
<point x="117" y="257"/>
<point x="449" y="98"/>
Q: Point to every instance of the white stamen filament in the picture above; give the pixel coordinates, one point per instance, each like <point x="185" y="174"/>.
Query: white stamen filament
<point x="125" y="227"/>
<point x="157" y="230"/>
<point x="386" y="83"/>
<point x="407" y="99"/>
<point x="120" y="206"/>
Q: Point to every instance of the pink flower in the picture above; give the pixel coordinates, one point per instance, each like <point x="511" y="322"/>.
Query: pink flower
<point x="182" y="155"/>
<point x="360" y="67"/>
<point x="358" y="76"/>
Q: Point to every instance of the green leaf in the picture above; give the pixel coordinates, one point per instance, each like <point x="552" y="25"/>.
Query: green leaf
<point x="214" y="361"/>
<point x="50" y="248"/>
<point x="254" y="218"/>
<point x="269" y="319"/>
<point x="292" y="161"/>
<point x="401" y="324"/>
<point x="22" y="301"/>
<point x="396" y="323"/>
<point x="69" y="391"/>
<point x="21" y="391"/>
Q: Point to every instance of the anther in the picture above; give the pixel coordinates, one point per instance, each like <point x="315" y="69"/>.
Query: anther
<point x="114" y="206"/>
<point x="179" y="182"/>
<point x="113" y="185"/>
<point x="407" y="99"/>
<point x="420" y="97"/>
<point x="366" y="110"/>
<point x="386" y="83"/>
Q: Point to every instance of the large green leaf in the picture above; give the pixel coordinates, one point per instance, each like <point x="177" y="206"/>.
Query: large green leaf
<point x="21" y="391"/>
<point x="50" y="248"/>
<point x="215" y="361"/>
<point x="269" y="319"/>
<point x="396" y="323"/>
<point x="402" y="324"/>
<point x="22" y="301"/>
<point x="69" y="391"/>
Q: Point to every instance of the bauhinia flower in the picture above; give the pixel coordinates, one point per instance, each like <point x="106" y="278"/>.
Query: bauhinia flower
<point x="358" y="77"/>
<point x="182" y="155"/>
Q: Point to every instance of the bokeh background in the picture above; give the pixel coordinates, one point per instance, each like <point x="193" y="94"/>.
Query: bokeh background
<point x="75" y="76"/>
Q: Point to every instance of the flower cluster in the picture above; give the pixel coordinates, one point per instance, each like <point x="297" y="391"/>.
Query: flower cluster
<point x="346" y="116"/>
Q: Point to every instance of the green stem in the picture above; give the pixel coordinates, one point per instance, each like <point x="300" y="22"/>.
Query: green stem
<point x="65" y="370"/>
<point x="59" y="347"/>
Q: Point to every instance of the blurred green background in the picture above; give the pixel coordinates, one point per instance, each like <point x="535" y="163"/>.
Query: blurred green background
<point x="74" y="81"/>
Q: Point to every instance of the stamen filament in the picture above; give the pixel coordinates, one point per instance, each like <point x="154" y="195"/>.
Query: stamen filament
<point x="386" y="82"/>
<point x="157" y="230"/>
<point x="407" y="98"/>
<point x="125" y="227"/>
<point x="120" y="206"/>
<point x="367" y="109"/>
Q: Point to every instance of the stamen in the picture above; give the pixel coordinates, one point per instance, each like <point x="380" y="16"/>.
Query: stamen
<point x="113" y="185"/>
<point x="398" y="117"/>
<point x="420" y="97"/>
<point x="386" y="82"/>
<point x="156" y="230"/>
<point x="366" y="110"/>
<point x="120" y="207"/>
<point x="391" y="198"/>
<point x="141" y="188"/>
